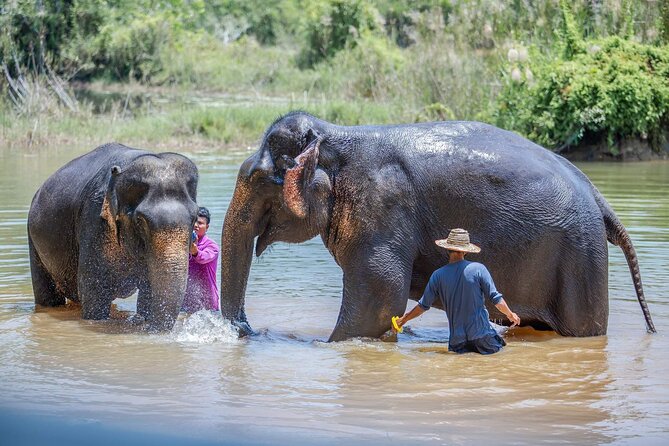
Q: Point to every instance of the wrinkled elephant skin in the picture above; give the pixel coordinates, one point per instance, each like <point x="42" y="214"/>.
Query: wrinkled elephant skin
<point x="380" y="195"/>
<point x="111" y="222"/>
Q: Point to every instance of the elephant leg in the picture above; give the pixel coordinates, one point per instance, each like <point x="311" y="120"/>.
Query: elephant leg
<point x="44" y="288"/>
<point x="144" y="302"/>
<point x="376" y="287"/>
<point x="95" y="290"/>
<point x="582" y="308"/>
<point x="95" y="301"/>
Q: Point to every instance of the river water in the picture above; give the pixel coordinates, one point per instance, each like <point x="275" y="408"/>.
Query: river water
<point x="66" y="381"/>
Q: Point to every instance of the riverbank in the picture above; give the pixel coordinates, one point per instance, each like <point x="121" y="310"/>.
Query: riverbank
<point x="183" y="120"/>
<point x="625" y="149"/>
<point x="172" y="118"/>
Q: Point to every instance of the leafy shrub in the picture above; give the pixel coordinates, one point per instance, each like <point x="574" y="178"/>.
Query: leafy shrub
<point x="133" y="50"/>
<point x="333" y="25"/>
<point x="266" y="19"/>
<point x="35" y="33"/>
<point x="664" y="20"/>
<point x="437" y="71"/>
<point x="370" y="70"/>
<point x="617" y="88"/>
<point x="405" y="19"/>
<point x="435" y="112"/>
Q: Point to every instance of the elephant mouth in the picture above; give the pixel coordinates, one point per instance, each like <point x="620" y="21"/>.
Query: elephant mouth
<point x="265" y="230"/>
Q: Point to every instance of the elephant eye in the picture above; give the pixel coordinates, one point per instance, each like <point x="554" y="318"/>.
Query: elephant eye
<point x="308" y="139"/>
<point x="285" y="162"/>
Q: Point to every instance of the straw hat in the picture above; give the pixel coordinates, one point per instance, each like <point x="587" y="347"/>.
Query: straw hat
<point x="458" y="240"/>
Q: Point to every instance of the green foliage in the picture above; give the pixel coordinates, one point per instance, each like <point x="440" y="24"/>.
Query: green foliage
<point x="333" y="25"/>
<point x="239" y="124"/>
<point x="227" y="124"/>
<point x="356" y="61"/>
<point x="572" y="40"/>
<point x="243" y="66"/>
<point x="617" y="89"/>
<point x="440" y="72"/>
<point x="405" y="20"/>
<point x="133" y="49"/>
<point x="370" y="70"/>
<point x="664" y="20"/>
<point x="34" y="33"/>
<point x="435" y="112"/>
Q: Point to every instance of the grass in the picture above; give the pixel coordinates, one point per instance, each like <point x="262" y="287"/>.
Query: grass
<point x="176" y="125"/>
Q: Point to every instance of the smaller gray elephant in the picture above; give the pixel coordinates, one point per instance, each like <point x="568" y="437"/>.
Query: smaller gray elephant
<point x="111" y="222"/>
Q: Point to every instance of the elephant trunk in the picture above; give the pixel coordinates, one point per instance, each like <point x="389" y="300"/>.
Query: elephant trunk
<point x="243" y="220"/>
<point x="167" y="268"/>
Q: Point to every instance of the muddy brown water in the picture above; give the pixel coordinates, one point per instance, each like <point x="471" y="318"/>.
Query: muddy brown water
<point x="68" y="380"/>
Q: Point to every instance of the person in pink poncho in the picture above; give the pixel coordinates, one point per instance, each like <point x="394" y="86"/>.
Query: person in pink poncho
<point x="202" y="291"/>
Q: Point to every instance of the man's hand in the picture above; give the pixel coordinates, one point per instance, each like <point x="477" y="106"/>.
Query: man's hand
<point x="417" y="311"/>
<point x="399" y="321"/>
<point x="193" y="249"/>
<point x="514" y="319"/>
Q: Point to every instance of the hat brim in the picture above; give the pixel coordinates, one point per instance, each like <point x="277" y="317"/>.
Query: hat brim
<point x="472" y="248"/>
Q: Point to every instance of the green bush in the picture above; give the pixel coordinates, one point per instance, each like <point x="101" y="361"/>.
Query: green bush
<point x="33" y="34"/>
<point x="265" y="20"/>
<point x="406" y="19"/>
<point x="617" y="88"/>
<point x="333" y="25"/>
<point x="133" y="50"/>
<point x="243" y="66"/>
<point x="370" y="70"/>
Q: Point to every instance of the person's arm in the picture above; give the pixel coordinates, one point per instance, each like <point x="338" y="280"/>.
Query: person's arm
<point x="490" y="291"/>
<point x="504" y="308"/>
<point x="208" y="253"/>
<point x="414" y="313"/>
<point x="424" y="304"/>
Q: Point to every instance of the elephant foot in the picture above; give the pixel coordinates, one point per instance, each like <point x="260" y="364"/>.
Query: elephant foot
<point x="389" y="336"/>
<point x="345" y="332"/>
<point x="160" y="324"/>
<point x="243" y="328"/>
<point x="137" y="319"/>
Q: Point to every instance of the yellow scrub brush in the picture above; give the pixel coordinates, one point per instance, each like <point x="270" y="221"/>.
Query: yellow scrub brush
<point x="395" y="326"/>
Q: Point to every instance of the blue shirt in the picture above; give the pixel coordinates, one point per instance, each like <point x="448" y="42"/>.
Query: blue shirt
<point x="462" y="287"/>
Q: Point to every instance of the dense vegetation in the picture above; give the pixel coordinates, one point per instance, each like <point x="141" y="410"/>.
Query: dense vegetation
<point x="558" y="72"/>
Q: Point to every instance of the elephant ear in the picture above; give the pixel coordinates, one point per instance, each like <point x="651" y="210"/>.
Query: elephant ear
<point x="109" y="210"/>
<point x="298" y="179"/>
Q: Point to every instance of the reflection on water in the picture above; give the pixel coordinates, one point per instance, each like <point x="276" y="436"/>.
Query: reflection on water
<point x="288" y="386"/>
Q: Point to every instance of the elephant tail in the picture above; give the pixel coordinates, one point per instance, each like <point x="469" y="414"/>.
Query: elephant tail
<point x="618" y="235"/>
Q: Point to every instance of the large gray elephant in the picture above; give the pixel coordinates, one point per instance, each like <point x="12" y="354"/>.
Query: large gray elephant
<point x="109" y="223"/>
<point x="380" y="195"/>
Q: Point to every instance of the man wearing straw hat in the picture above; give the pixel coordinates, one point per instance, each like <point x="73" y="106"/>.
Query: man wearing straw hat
<point x="462" y="287"/>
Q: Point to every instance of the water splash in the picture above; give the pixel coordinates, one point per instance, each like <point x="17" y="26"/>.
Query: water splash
<point x="205" y="327"/>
